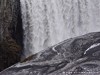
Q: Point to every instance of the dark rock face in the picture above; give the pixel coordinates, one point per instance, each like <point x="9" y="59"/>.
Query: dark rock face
<point x="10" y="33"/>
<point x="75" y="56"/>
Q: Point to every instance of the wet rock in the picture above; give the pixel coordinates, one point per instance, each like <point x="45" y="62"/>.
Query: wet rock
<point x="10" y="33"/>
<point x="74" y="56"/>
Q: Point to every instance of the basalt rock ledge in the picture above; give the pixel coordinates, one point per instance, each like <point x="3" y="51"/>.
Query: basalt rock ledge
<point x="75" y="56"/>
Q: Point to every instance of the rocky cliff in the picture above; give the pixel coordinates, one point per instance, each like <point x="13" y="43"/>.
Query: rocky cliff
<point x="10" y="33"/>
<point x="74" y="56"/>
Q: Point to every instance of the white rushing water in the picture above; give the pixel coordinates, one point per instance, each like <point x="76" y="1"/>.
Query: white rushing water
<point x="47" y="22"/>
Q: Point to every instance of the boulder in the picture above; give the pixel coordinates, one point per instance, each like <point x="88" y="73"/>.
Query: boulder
<point x="75" y="56"/>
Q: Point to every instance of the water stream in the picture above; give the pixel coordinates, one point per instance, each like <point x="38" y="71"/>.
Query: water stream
<point x="47" y="22"/>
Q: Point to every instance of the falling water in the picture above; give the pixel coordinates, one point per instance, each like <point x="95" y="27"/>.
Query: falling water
<point x="47" y="22"/>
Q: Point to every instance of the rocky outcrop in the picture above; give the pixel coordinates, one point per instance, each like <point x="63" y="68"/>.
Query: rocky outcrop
<point x="74" y="56"/>
<point x="10" y="33"/>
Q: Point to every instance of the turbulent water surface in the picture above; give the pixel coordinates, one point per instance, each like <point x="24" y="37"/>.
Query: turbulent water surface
<point x="47" y="22"/>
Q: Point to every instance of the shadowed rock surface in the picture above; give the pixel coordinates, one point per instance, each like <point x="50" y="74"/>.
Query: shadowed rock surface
<point x="74" y="56"/>
<point x="10" y="33"/>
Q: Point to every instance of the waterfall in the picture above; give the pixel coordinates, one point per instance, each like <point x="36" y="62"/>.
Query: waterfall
<point x="47" y="22"/>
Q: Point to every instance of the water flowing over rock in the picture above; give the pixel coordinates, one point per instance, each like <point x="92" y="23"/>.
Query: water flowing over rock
<point x="74" y="56"/>
<point x="47" y="22"/>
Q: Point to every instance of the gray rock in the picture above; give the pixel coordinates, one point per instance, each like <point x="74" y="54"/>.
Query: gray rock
<point x="74" y="56"/>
